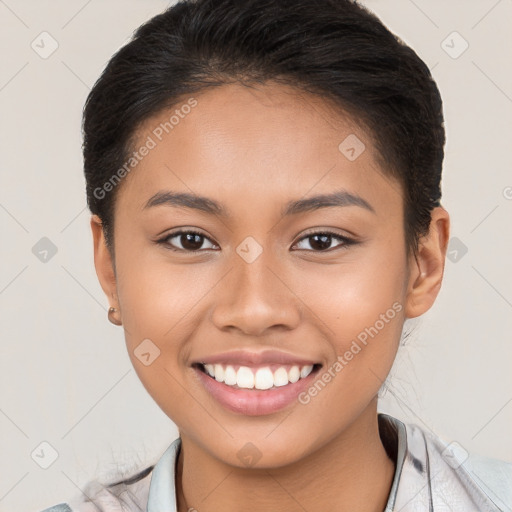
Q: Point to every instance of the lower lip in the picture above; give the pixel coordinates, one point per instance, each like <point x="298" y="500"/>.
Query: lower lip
<point x="254" y="402"/>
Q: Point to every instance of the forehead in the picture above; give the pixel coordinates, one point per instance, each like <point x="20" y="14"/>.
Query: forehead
<point x="238" y="141"/>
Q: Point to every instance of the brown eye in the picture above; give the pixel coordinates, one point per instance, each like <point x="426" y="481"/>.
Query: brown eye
<point x="189" y="241"/>
<point x="321" y="241"/>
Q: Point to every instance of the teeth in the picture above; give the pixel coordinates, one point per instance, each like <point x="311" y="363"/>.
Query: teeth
<point x="280" y="377"/>
<point x="262" y="378"/>
<point x="245" y="378"/>
<point x="305" y="371"/>
<point x="294" y="374"/>
<point x="219" y="373"/>
<point x="230" y="376"/>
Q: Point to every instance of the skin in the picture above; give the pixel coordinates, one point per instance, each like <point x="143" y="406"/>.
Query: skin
<point x="253" y="150"/>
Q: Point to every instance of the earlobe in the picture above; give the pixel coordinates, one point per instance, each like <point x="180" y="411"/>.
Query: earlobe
<point x="427" y="266"/>
<point x="104" y="266"/>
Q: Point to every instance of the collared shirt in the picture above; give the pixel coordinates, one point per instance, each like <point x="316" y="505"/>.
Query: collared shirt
<point x="430" y="476"/>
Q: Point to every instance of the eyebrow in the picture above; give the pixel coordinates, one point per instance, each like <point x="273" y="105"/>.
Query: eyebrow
<point x="339" y="198"/>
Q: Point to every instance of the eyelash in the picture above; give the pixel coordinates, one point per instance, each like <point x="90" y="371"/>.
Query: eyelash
<point x="346" y="241"/>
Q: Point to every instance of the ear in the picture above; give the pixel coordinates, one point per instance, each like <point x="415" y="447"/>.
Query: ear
<point x="426" y="269"/>
<point x="105" y="269"/>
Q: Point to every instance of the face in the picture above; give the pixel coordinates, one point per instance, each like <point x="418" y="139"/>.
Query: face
<point x="260" y="277"/>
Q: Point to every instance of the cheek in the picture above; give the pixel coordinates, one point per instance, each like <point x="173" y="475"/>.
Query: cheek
<point x="164" y="382"/>
<point x="353" y="295"/>
<point x="158" y="299"/>
<point x="160" y="304"/>
<point x="360" y="309"/>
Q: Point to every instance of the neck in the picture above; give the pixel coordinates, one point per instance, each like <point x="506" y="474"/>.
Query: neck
<point x="350" y="472"/>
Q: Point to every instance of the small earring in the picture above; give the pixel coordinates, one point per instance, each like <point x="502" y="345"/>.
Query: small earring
<point x="111" y="316"/>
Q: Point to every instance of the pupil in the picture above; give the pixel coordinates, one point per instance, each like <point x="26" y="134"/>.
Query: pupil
<point x="192" y="241"/>
<point x="325" y="242"/>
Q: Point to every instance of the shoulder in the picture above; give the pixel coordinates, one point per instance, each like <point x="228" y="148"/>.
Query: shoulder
<point x="151" y="485"/>
<point x="494" y="476"/>
<point x="484" y="482"/>
<point x="129" y="494"/>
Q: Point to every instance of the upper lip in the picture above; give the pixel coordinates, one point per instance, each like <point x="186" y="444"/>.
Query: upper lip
<point x="244" y="357"/>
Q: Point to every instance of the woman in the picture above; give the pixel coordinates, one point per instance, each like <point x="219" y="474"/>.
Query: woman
<point x="264" y="182"/>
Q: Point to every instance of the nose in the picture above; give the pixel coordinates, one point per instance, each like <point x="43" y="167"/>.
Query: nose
<point x="256" y="298"/>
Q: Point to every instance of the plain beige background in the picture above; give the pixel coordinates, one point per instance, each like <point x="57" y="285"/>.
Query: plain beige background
<point x="65" y="376"/>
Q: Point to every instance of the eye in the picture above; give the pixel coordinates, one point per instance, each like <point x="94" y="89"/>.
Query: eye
<point x="321" y="240"/>
<point x="190" y="240"/>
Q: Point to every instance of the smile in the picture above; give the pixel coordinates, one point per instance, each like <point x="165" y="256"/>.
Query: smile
<point x="265" y="377"/>
<point x="254" y="390"/>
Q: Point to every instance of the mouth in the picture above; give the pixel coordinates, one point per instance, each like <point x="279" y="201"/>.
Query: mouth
<point x="263" y="377"/>
<point x="255" y="390"/>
